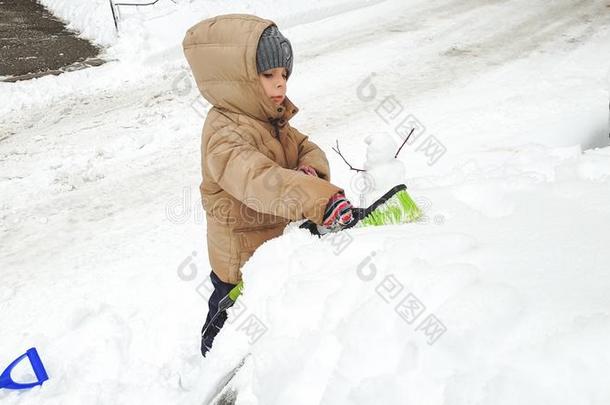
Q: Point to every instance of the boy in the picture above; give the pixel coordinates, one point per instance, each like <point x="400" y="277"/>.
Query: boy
<point x="259" y="173"/>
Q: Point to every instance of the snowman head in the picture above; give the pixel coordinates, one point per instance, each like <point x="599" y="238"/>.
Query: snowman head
<point x="381" y="148"/>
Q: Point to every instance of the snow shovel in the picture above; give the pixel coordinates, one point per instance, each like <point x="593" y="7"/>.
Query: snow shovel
<point x="394" y="207"/>
<point x="41" y="374"/>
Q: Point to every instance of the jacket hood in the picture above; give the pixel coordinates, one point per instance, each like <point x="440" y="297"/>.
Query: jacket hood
<point x="221" y="52"/>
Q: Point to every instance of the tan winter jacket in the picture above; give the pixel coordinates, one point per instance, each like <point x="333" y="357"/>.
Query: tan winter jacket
<point x="249" y="152"/>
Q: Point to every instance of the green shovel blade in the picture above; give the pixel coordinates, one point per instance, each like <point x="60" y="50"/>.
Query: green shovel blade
<point x="399" y="209"/>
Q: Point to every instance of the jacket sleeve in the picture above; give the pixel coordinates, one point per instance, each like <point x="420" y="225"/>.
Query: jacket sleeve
<point x="261" y="183"/>
<point x="310" y="154"/>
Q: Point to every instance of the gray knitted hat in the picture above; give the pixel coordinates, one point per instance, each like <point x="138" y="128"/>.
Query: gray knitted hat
<point x="273" y="51"/>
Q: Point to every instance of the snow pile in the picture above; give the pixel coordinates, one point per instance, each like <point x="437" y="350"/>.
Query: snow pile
<point x="499" y="304"/>
<point x="92" y="18"/>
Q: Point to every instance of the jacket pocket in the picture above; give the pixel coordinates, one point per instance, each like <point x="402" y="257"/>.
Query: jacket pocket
<point x="248" y="239"/>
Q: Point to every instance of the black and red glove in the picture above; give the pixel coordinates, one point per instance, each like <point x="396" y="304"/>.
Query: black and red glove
<point x="338" y="212"/>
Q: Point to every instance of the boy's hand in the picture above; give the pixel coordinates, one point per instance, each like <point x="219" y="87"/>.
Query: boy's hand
<point x="338" y="212"/>
<point x="308" y="170"/>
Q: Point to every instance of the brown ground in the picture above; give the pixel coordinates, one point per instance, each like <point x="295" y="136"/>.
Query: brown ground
<point x="33" y="42"/>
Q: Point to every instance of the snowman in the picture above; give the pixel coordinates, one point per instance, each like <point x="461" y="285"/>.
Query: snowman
<point x="383" y="170"/>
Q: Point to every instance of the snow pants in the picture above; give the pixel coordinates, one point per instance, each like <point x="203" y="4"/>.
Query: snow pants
<point x="221" y="289"/>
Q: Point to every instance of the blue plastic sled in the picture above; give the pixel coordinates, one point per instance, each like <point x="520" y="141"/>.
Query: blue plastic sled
<point x="41" y="374"/>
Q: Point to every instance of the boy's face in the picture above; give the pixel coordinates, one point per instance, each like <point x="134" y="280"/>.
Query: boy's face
<point x="274" y="83"/>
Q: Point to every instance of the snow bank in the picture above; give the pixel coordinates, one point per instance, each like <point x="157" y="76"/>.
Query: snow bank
<point x="92" y="18"/>
<point x="501" y="304"/>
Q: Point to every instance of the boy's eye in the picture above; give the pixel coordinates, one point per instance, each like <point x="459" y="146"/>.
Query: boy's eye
<point x="269" y="75"/>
